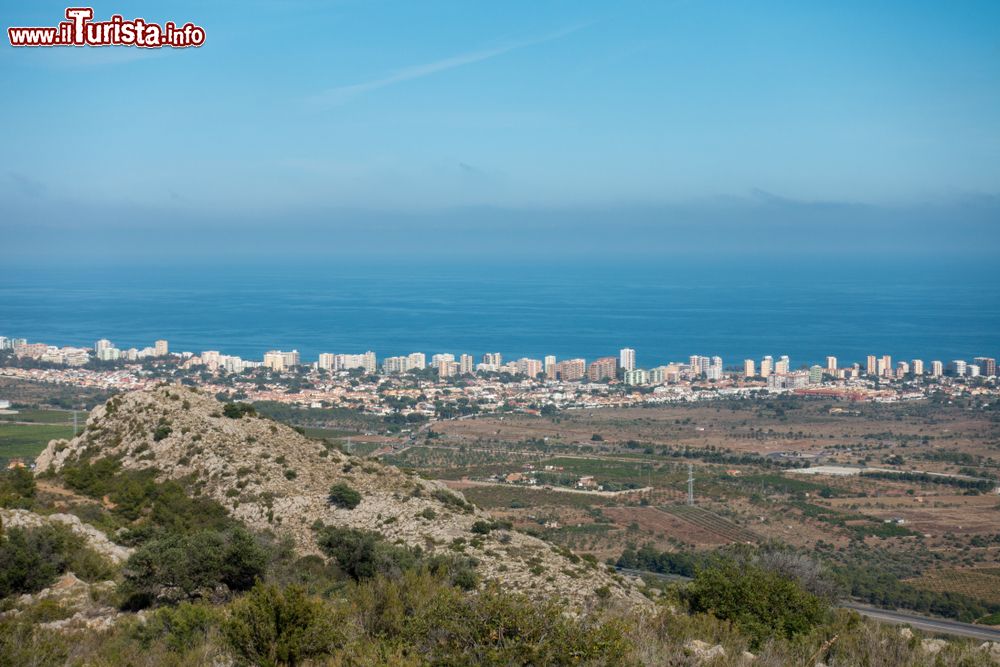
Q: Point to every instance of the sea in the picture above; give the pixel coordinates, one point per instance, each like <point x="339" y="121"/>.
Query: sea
<point x="666" y="310"/>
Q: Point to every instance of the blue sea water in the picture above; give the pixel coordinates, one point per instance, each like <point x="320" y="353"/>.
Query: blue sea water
<point x="666" y="311"/>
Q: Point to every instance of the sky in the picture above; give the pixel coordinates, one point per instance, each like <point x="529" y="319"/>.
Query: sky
<point x="542" y="128"/>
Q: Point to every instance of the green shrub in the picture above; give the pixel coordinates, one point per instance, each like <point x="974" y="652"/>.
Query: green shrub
<point x="187" y="566"/>
<point x="270" y="627"/>
<point x="450" y="499"/>
<point x="363" y="554"/>
<point x="155" y="507"/>
<point x="238" y="410"/>
<point x="161" y="432"/>
<point x="32" y="558"/>
<point x="17" y="488"/>
<point x="762" y="603"/>
<point x="342" y="495"/>
<point x="178" y="627"/>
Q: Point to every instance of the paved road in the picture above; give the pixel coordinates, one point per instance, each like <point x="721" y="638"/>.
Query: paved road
<point x="925" y="623"/>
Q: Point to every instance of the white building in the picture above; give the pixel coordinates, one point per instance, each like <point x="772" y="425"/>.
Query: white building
<point x="626" y="359"/>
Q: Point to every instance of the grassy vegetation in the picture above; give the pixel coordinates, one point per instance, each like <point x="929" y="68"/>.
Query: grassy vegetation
<point x="28" y="440"/>
<point x="43" y="416"/>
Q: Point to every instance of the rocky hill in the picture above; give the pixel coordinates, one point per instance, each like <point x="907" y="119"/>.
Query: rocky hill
<point x="271" y="477"/>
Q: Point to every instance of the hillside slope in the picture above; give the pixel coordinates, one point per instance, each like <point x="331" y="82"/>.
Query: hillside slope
<point x="271" y="477"/>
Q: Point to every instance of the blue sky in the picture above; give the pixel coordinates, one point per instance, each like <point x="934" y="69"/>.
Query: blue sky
<point x="332" y="115"/>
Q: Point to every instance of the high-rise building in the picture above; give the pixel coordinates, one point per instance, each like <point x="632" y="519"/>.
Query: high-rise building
<point x="396" y="364"/>
<point x="529" y="367"/>
<point x="494" y="359"/>
<point x="872" y="366"/>
<point x="918" y="367"/>
<point x="626" y="358"/>
<point x="831" y="364"/>
<point x="101" y="345"/>
<point x="418" y="360"/>
<point x="748" y="368"/>
<point x="987" y="366"/>
<point x="466" y="365"/>
<point x="902" y="369"/>
<point x="958" y="367"/>
<point x="447" y="369"/>
<point x="161" y="348"/>
<point x="326" y="361"/>
<point x="438" y="358"/>
<point x="937" y="369"/>
<point x="5" y="343"/>
<point x="550" y="366"/>
<point x="605" y="368"/>
<point x="571" y="369"/>
<point x="766" y="366"/>
<point x="211" y="359"/>
<point x="275" y="360"/>
<point x="885" y="366"/>
<point x="366" y="361"/>
<point x="973" y="370"/>
<point x="815" y="374"/>
<point x="782" y="366"/>
<point x="636" y="376"/>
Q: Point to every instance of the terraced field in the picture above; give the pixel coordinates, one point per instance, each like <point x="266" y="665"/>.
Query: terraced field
<point x="712" y="522"/>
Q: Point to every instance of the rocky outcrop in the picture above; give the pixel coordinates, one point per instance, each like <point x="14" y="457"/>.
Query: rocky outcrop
<point x="271" y="477"/>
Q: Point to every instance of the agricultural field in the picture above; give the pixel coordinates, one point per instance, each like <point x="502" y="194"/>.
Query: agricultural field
<point x="980" y="583"/>
<point x="713" y="523"/>
<point x="43" y="416"/>
<point x="28" y="440"/>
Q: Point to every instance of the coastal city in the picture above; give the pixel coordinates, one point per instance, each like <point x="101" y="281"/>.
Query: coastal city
<point x="444" y="385"/>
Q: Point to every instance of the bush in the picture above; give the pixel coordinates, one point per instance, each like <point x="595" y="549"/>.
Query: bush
<point x="238" y="410"/>
<point x="436" y="624"/>
<point x="363" y="554"/>
<point x="158" y="507"/>
<point x="178" y="627"/>
<point x="482" y="527"/>
<point x="189" y="566"/>
<point x="32" y="558"/>
<point x="161" y="432"/>
<point x="342" y="495"/>
<point x="270" y="626"/>
<point x="761" y="603"/>
<point x="17" y="488"/>
<point x="450" y="499"/>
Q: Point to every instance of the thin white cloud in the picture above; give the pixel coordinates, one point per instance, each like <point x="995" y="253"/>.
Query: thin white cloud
<point x="342" y="94"/>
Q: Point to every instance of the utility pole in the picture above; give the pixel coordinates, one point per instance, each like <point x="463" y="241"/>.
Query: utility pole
<point x="690" y="484"/>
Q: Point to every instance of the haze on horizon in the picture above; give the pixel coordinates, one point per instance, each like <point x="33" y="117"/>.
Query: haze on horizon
<point x="586" y="127"/>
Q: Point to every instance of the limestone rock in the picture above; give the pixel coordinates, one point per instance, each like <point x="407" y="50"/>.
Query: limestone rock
<point x="703" y="651"/>
<point x="933" y="646"/>
<point x="271" y="477"/>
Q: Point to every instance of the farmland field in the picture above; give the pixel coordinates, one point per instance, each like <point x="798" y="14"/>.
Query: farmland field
<point x="980" y="583"/>
<point x="28" y="440"/>
<point x="712" y="522"/>
<point x="43" y="417"/>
